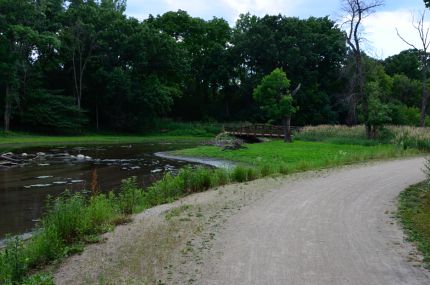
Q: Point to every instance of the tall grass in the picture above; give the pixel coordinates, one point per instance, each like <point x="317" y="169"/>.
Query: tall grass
<point x="72" y="220"/>
<point x="414" y="213"/>
<point x="411" y="137"/>
<point x="403" y="136"/>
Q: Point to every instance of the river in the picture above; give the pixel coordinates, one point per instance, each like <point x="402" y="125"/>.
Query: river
<point x="24" y="189"/>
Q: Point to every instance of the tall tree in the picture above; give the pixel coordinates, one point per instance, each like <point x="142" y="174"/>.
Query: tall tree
<point x="310" y="51"/>
<point x="423" y="32"/>
<point x="80" y="38"/>
<point x="355" y="11"/>
<point x="23" y="40"/>
<point x="206" y="47"/>
<point x="274" y="97"/>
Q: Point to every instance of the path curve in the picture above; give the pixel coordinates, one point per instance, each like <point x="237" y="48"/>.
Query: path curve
<point x="334" y="229"/>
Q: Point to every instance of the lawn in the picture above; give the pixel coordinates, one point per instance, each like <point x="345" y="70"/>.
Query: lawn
<point x="299" y="155"/>
<point x="12" y="141"/>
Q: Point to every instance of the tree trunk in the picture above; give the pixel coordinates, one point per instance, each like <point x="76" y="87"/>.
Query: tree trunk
<point x="423" y="115"/>
<point x="363" y="96"/>
<point x="287" y="129"/>
<point x="425" y="95"/>
<point x="7" y="110"/>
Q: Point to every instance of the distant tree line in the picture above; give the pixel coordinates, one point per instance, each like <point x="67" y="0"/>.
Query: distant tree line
<point x="83" y="64"/>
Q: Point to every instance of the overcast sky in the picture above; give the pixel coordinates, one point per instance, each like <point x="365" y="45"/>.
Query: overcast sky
<point x="380" y="28"/>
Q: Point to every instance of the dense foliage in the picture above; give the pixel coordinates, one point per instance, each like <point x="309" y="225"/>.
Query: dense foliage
<point x="83" y="64"/>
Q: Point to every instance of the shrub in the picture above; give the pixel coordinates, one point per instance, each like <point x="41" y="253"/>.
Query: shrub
<point x="44" y="246"/>
<point x="175" y="128"/>
<point x="165" y="190"/>
<point x="13" y="262"/>
<point x="129" y="196"/>
<point x="196" y="180"/>
<point x="404" y="115"/>
<point x="65" y="215"/>
<point x="99" y="213"/>
<point x="239" y="174"/>
<point x="220" y="177"/>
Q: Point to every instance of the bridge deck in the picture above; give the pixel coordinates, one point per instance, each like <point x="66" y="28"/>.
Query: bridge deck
<point x="257" y="130"/>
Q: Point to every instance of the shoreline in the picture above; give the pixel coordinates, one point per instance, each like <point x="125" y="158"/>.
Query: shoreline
<point x="218" y="163"/>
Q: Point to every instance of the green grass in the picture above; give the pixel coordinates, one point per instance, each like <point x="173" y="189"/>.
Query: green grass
<point x="13" y="141"/>
<point x="277" y="156"/>
<point x="414" y="213"/>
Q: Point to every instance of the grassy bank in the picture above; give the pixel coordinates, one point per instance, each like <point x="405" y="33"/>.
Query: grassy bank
<point x="298" y="156"/>
<point x="414" y="213"/>
<point x="74" y="220"/>
<point x="161" y="131"/>
<point x="402" y="136"/>
<point x="14" y="141"/>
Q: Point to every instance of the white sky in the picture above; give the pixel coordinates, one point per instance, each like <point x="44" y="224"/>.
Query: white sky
<point x="380" y="28"/>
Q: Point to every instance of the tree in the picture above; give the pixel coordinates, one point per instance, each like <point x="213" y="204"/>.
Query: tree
<point x="407" y="63"/>
<point x="275" y="99"/>
<point x="423" y="33"/>
<point x="378" y="112"/>
<point x="23" y="39"/>
<point x="206" y="52"/>
<point x="80" y="37"/>
<point x="355" y="11"/>
<point x="311" y="51"/>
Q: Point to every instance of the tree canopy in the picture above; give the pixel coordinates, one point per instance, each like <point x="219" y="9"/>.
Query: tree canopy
<point x="274" y="97"/>
<point x="86" y="65"/>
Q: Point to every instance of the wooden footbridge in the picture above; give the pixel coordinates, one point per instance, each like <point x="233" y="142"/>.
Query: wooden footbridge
<point x="257" y="130"/>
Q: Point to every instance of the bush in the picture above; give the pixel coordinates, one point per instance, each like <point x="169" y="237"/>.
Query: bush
<point x="65" y="216"/>
<point x="220" y="177"/>
<point x="195" y="180"/>
<point x="13" y="262"/>
<point x="239" y="174"/>
<point x="404" y="115"/>
<point x="44" y="246"/>
<point x="130" y="196"/>
<point x="174" y="128"/>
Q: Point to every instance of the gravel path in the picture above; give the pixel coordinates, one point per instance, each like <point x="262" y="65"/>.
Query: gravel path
<point x="331" y="229"/>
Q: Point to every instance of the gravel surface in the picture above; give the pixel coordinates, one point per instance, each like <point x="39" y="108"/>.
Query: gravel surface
<point x="333" y="229"/>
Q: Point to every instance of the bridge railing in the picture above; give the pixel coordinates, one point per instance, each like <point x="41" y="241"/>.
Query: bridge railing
<point x="264" y="130"/>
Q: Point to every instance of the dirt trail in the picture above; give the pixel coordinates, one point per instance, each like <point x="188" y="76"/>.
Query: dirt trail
<point x="334" y="229"/>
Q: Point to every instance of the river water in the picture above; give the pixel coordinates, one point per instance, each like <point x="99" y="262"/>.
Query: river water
<point x="24" y="189"/>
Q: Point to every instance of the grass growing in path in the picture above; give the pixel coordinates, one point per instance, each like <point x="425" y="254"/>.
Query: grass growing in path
<point x="297" y="156"/>
<point x="414" y="213"/>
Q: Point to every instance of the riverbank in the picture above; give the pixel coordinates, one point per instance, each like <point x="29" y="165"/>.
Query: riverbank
<point x="15" y="141"/>
<point x="218" y="163"/>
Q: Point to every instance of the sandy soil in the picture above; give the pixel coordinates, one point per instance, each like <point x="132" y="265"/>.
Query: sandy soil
<point x="327" y="227"/>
